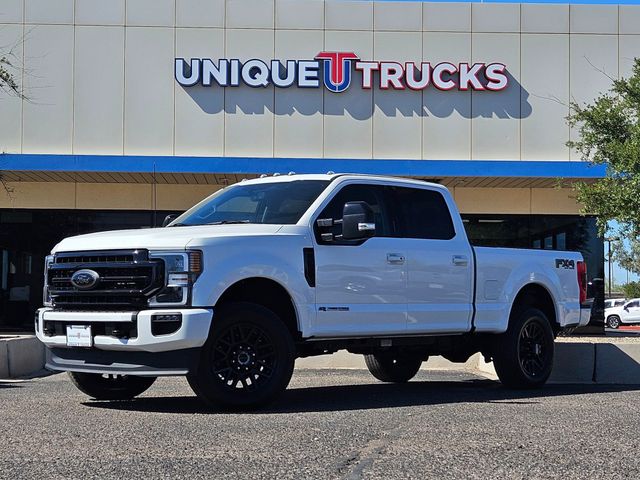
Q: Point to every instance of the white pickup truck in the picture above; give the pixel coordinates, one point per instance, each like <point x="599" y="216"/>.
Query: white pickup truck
<point x="262" y="272"/>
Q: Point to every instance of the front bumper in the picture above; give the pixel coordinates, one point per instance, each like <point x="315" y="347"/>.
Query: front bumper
<point x="192" y="333"/>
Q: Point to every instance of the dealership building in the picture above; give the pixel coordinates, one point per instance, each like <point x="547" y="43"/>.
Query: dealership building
<point x="135" y="109"/>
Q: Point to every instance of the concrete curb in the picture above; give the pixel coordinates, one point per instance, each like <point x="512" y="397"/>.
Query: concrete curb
<point x="21" y="356"/>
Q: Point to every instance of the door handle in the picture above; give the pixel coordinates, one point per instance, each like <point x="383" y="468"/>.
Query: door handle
<point x="395" y="258"/>
<point x="460" y="260"/>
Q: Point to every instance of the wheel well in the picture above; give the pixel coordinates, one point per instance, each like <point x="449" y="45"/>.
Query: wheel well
<point x="535" y="295"/>
<point x="269" y="294"/>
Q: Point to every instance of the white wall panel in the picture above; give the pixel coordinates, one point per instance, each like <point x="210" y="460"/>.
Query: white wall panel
<point x="629" y="19"/>
<point x="446" y="17"/>
<point x="11" y="105"/>
<point x="298" y="112"/>
<point x="348" y="115"/>
<point x="48" y="11"/>
<point x="397" y="16"/>
<point x="545" y="97"/>
<point x="11" y="11"/>
<point x="199" y="122"/>
<point x="495" y="129"/>
<point x="537" y="18"/>
<point x="149" y="91"/>
<point x="200" y="13"/>
<point x="250" y="13"/>
<point x="594" y="58"/>
<point x="629" y="49"/>
<point x="594" y="19"/>
<point x="300" y="15"/>
<point x="151" y="13"/>
<point x="48" y="117"/>
<point x="397" y="117"/>
<point x="249" y="111"/>
<point x="100" y="12"/>
<point x="98" y="83"/>
<point x="495" y="17"/>
<point x="348" y="15"/>
<point x="446" y="126"/>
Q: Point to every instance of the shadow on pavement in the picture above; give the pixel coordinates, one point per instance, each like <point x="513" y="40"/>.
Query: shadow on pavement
<point x="373" y="396"/>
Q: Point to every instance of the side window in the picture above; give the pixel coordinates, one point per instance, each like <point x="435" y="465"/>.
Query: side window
<point x="372" y="194"/>
<point x="424" y="214"/>
<point x="633" y="304"/>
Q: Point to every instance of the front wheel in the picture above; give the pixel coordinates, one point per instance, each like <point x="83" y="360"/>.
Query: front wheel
<point x="110" y="387"/>
<point x="613" y="321"/>
<point x="523" y="356"/>
<point x="393" y="367"/>
<point x="247" y="361"/>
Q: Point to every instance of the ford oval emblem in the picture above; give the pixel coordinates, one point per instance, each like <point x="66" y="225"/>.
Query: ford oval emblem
<point x="84" y="279"/>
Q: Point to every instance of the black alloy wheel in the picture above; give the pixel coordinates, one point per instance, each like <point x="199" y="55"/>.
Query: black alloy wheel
<point x="110" y="386"/>
<point x="247" y="361"/>
<point x="523" y="355"/>
<point x="243" y="356"/>
<point x="534" y="348"/>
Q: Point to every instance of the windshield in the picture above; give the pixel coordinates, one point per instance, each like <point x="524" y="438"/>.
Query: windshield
<point x="275" y="203"/>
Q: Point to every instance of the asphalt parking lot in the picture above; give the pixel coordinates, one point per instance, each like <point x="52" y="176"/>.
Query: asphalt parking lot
<point x="330" y="424"/>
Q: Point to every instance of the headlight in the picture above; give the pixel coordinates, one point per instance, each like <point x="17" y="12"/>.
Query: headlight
<point x="46" y="298"/>
<point x="181" y="270"/>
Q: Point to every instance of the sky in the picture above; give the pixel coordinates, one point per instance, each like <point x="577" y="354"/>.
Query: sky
<point x="587" y="2"/>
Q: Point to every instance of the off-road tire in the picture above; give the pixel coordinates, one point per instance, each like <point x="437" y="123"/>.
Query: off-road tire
<point x="393" y="367"/>
<point x="110" y="387"/>
<point x="523" y="355"/>
<point x="247" y="361"/>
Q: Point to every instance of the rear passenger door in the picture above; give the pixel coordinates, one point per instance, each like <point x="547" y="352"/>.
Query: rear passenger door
<point x="439" y="262"/>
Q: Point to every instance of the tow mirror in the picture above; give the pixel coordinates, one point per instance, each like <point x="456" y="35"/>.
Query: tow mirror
<point x="168" y="219"/>
<point x="357" y="221"/>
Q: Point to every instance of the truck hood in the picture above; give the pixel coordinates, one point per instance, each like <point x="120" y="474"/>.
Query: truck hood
<point x="159" y="238"/>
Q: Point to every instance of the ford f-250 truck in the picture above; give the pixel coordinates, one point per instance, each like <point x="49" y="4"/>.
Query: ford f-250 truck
<point x="231" y="292"/>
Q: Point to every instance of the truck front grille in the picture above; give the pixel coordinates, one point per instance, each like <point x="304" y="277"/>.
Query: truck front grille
<point x="126" y="279"/>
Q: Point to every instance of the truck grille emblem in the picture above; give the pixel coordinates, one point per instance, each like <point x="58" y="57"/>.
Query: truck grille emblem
<point x="84" y="279"/>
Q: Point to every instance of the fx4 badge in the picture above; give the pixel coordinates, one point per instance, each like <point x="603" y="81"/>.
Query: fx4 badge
<point x="565" y="263"/>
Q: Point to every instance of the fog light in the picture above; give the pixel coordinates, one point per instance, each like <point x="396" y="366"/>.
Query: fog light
<point x="165" y="323"/>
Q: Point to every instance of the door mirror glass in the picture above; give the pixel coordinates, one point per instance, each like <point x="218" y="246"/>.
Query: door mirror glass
<point x="168" y="219"/>
<point x="357" y="221"/>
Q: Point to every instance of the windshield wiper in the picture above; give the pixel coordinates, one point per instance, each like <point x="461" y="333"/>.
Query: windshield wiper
<point x="228" y="222"/>
<point x="179" y="225"/>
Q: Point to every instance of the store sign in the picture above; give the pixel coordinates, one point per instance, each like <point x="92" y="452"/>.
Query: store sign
<point x="336" y="69"/>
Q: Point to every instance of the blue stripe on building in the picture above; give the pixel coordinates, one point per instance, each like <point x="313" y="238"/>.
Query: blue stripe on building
<point x="252" y="165"/>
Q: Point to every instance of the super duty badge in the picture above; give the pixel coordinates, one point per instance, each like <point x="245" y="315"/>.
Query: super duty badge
<point x="565" y="263"/>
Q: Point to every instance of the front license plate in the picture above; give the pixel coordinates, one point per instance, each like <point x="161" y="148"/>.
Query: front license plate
<point x="79" y="336"/>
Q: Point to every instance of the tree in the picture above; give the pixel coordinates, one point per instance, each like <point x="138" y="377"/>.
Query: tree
<point x="631" y="290"/>
<point x="9" y="68"/>
<point x="609" y="134"/>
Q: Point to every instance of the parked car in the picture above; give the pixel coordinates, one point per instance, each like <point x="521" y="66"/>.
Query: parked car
<point x="230" y="293"/>
<point x="614" y="302"/>
<point x="626" y="314"/>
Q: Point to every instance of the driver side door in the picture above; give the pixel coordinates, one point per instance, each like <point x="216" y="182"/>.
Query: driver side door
<point x="360" y="284"/>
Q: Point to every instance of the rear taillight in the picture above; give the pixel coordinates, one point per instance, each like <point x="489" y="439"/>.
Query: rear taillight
<point x="582" y="281"/>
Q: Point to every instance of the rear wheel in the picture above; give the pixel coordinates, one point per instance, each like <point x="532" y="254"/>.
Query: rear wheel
<point x="394" y="367"/>
<point x="110" y="387"/>
<point x="247" y="360"/>
<point x="523" y="358"/>
<point x="613" y="321"/>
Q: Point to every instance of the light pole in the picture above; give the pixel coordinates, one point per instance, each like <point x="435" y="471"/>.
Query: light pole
<point x="609" y="240"/>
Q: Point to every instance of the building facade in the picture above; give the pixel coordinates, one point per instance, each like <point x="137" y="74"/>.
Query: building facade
<point x="134" y="109"/>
